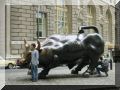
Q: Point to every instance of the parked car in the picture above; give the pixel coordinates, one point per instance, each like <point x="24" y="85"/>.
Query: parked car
<point x="7" y="63"/>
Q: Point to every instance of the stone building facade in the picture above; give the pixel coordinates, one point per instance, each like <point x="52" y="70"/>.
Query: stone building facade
<point x="32" y="21"/>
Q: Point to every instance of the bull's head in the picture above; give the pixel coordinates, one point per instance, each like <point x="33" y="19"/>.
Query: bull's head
<point x="27" y="51"/>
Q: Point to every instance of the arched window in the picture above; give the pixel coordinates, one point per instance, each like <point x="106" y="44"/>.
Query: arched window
<point x="109" y="25"/>
<point x="91" y="15"/>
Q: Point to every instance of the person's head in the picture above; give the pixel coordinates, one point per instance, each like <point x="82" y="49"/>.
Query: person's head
<point x="33" y="45"/>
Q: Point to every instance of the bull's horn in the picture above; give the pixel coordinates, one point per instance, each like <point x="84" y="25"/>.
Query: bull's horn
<point x="89" y="27"/>
<point x="25" y="44"/>
<point x="39" y="45"/>
<point x="25" y="41"/>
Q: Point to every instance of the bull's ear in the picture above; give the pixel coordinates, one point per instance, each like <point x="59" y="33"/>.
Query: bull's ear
<point x="39" y="45"/>
<point x="25" y="41"/>
<point x="27" y="46"/>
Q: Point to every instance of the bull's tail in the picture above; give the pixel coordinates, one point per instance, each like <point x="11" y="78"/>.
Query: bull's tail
<point x="82" y="28"/>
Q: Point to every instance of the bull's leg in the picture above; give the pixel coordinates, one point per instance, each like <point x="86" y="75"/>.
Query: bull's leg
<point x="80" y="66"/>
<point x="92" y="66"/>
<point x="43" y="73"/>
<point x="71" y="65"/>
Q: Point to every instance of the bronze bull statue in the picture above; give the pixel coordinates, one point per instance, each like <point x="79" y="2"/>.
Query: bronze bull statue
<point x="70" y="50"/>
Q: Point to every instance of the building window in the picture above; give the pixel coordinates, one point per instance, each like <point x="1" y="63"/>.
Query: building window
<point x="61" y="20"/>
<point x="41" y="24"/>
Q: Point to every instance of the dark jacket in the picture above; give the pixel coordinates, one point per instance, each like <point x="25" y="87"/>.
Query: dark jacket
<point x="104" y="64"/>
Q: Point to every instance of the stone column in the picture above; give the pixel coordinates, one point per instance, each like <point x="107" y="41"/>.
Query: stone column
<point x="2" y="28"/>
<point x="7" y="41"/>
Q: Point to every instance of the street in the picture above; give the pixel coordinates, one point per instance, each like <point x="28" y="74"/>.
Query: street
<point x="58" y="76"/>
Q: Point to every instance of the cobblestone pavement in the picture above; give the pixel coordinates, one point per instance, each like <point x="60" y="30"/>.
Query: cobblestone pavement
<point x="58" y="76"/>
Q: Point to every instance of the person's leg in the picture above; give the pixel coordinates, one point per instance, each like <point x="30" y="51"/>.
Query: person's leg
<point x="36" y="72"/>
<point x="98" y="71"/>
<point x="105" y="71"/>
<point x="33" y="72"/>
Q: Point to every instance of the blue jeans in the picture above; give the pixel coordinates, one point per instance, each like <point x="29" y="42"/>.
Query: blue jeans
<point x="34" y="72"/>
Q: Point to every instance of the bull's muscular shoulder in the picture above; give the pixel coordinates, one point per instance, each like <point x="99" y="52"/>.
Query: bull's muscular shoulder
<point x="72" y="46"/>
<point x="64" y="38"/>
<point x="62" y="42"/>
<point x="93" y="38"/>
<point x="70" y="42"/>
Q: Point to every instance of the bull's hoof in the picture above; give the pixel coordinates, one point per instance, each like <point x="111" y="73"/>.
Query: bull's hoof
<point x="74" y="72"/>
<point x="86" y="75"/>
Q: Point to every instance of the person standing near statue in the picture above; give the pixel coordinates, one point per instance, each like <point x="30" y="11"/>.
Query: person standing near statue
<point x="34" y="62"/>
<point x="103" y="65"/>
